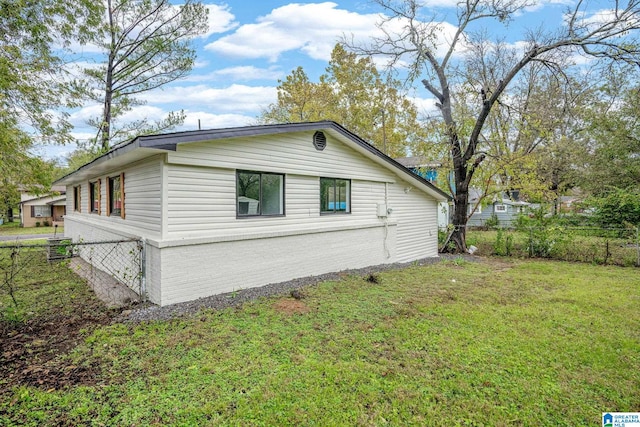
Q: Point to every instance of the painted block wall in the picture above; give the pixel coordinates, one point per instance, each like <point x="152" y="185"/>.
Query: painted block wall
<point x="195" y="271"/>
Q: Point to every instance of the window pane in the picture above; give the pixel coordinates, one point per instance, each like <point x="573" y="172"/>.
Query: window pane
<point x="327" y="194"/>
<point x="342" y="198"/>
<point x="335" y="195"/>
<point x="115" y="195"/>
<point x="76" y="198"/>
<point x="272" y="191"/>
<point x="42" y="210"/>
<point x="248" y="188"/>
<point x="94" y="190"/>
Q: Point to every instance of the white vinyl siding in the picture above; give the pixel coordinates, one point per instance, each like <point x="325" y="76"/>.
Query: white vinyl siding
<point x="417" y="217"/>
<point x="289" y="154"/>
<point x="143" y="196"/>
<point x="201" y="192"/>
<point x="201" y="202"/>
<point x="142" y="199"/>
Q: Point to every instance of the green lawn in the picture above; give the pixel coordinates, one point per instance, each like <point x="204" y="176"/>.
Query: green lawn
<point x="14" y="229"/>
<point x="496" y="343"/>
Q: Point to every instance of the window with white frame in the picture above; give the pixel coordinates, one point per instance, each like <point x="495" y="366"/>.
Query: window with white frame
<point x="41" y="211"/>
<point x="500" y="208"/>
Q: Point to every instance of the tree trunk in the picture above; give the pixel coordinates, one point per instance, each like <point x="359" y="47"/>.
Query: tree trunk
<point x="456" y="241"/>
<point x="106" y="122"/>
<point x="105" y="128"/>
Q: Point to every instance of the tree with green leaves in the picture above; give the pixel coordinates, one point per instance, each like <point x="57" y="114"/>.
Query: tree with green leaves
<point x="33" y="81"/>
<point x="613" y="135"/>
<point x="353" y="93"/>
<point x="439" y="63"/>
<point x="19" y="170"/>
<point x="34" y="37"/>
<point x="146" y="44"/>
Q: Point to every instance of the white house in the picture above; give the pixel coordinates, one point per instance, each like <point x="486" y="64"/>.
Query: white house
<point x="226" y="209"/>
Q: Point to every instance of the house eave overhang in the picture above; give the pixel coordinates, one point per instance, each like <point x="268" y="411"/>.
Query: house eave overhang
<point x="54" y="199"/>
<point x="116" y="157"/>
<point x="148" y="145"/>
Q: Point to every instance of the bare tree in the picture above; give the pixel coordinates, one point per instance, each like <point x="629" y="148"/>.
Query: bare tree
<point x="147" y="44"/>
<point x="408" y="39"/>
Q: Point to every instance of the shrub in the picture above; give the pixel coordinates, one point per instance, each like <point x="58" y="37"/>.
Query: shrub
<point x="508" y="244"/>
<point x="498" y="246"/>
<point x="46" y="223"/>
<point x="619" y="207"/>
<point x="492" y="221"/>
<point x="503" y="245"/>
<point x="37" y="223"/>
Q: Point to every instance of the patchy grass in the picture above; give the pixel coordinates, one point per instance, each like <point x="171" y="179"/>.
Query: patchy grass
<point x="497" y="342"/>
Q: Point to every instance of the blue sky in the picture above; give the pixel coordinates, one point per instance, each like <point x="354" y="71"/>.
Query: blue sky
<point x="252" y="44"/>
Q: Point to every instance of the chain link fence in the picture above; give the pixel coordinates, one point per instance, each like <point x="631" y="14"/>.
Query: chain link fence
<point x="596" y="245"/>
<point x="113" y="269"/>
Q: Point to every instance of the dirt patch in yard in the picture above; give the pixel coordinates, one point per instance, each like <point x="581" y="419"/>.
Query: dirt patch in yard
<point x="31" y="351"/>
<point x="290" y="306"/>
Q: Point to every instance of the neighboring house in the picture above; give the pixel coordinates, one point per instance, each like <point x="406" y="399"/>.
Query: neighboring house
<point x="44" y="210"/>
<point x="422" y="166"/>
<point x="428" y="170"/>
<point x="505" y="209"/>
<point x="226" y="209"/>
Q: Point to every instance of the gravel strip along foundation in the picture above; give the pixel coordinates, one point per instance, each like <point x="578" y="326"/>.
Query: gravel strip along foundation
<point x="148" y="313"/>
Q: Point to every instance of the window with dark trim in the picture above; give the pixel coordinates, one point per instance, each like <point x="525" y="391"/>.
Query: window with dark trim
<point x="77" y="194"/>
<point x="115" y="194"/>
<point x="259" y="194"/>
<point x="335" y="195"/>
<point x="94" y="197"/>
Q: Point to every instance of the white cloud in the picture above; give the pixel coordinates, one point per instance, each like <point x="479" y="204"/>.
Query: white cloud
<point x="221" y="19"/>
<point x="598" y="18"/>
<point x="312" y="28"/>
<point x="80" y="117"/>
<point x="205" y="120"/>
<point x="235" y="98"/>
<point x="142" y="112"/>
<point x="426" y="106"/>
<point x="240" y="73"/>
<point x="440" y="3"/>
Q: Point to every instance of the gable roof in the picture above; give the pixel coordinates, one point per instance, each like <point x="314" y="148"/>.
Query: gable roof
<point x="146" y="145"/>
<point x="48" y="199"/>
